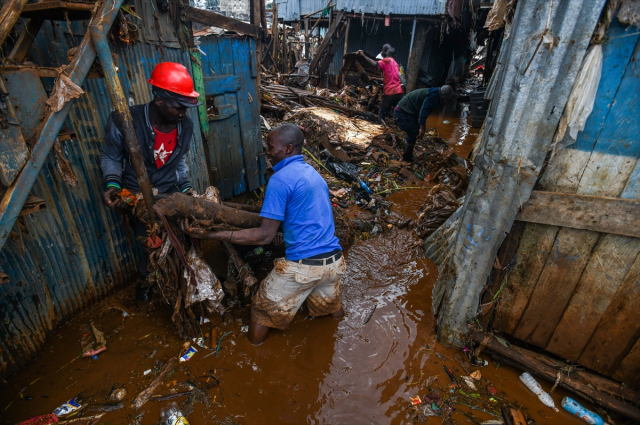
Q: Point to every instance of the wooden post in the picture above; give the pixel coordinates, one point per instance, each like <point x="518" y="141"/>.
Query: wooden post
<point x="285" y="49"/>
<point x="9" y="15"/>
<point x="413" y="67"/>
<point x="346" y="45"/>
<point x="274" y="34"/>
<point x="306" y="38"/>
<point x="263" y="15"/>
<point x="256" y="19"/>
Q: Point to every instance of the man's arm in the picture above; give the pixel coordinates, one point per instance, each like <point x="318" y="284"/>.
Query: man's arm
<point x="184" y="184"/>
<point x="429" y="105"/>
<point x="111" y="162"/>
<point x="370" y="61"/>
<point x="257" y="236"/>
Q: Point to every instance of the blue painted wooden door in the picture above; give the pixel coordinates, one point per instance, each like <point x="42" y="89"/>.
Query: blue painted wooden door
<point x="235" y="141"/>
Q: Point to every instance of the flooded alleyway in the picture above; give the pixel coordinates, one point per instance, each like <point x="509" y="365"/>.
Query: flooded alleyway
<point x="319" y="371"/>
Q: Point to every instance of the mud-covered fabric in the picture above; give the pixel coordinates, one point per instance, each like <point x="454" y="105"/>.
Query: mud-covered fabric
<point x="299" y="197"/>
<point x="284" y="290"/>
<point x="117" y="168"/>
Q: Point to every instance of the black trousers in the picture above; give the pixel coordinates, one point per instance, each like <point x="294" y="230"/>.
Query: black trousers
<point x="387" y="103"/>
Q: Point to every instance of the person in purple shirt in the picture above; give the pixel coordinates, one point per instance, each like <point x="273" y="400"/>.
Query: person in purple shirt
<point x="298" y="198"/>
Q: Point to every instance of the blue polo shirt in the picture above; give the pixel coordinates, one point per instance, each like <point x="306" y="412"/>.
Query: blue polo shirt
<point x="299" y="197"/>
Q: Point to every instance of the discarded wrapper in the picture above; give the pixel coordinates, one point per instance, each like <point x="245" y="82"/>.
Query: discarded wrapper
<point x="469" y="381"/>
<point x="146" y="372"/>
<point x="204" y="320"/>
<point x="415" y="400"/>
<point x="244" y="328"/>
<point x="478" y="362"/>
<point x="68" y="407"/>
<point x="200" y="343"/>
<point x="492" y="389"/>
<point x="476" y="375"/>
<point x="187" y="356"/>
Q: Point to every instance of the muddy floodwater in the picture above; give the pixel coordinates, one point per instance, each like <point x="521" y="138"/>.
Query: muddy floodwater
<point x="319" y="371"/>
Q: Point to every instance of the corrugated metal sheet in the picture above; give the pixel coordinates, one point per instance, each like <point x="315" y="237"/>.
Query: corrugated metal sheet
<point x="292" y="10"/>
<point x="77" y="250"/>
<point x="371" y="35"/>
<point x="522" y="120"/>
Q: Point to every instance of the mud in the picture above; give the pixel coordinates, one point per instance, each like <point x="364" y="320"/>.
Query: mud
<point x="319" y="371"/>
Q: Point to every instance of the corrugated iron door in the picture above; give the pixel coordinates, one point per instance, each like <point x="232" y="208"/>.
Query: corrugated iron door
<point x="235" y="143"/>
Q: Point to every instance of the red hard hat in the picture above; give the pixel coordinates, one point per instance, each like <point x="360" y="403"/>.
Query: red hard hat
<point x="173" y="77"/>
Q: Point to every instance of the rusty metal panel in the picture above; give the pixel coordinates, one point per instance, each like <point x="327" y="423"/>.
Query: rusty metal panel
<point x="533" y="88"/>
<point x="76" y="251"/>
<point x="291" y="10"/>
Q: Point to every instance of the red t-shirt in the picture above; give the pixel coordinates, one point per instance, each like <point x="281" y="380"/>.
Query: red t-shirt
<point x="391" y="76"/>
<point x="164" y="145"/>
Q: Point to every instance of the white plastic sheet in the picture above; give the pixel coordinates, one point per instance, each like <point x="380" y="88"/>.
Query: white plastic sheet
<point x="209" y="289"/>
<point x="583" y="94"/>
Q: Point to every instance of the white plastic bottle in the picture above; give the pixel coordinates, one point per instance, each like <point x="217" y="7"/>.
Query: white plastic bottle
<point x="533" y="385"/>
<point x="171" y="415"/>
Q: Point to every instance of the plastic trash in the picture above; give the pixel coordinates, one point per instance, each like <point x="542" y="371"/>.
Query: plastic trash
<point x="117" y="394"/>
<point x="415" y="400"/>
<point x="146" y="372"/>
<point x="533" y="385"/>
<point x="41" y="420"/>
<point x="171" y="415"/>
<point x="187" y="356"/>
<point x="68" y="407"/>
<point x="366" y="188"/>
<point x="573" y="407"/>
<point x="254" y="253"/>
<point x="478" y="362"/>
<point x="343" y="170"/>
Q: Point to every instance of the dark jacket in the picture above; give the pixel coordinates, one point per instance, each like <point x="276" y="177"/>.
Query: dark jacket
<point x="116" y="163"/>
<point x="421" y="103"/>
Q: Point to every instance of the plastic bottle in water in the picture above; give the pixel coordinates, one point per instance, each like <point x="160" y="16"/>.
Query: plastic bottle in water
<point x="171" y="415"/>
<point x="533" y="385"/>
<point x="573" y="407"/>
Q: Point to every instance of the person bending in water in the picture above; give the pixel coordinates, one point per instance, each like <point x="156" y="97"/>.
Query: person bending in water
<point x="412" y="112"/>
<point x="298" y="198"/>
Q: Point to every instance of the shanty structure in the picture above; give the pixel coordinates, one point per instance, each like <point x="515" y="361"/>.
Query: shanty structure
<point x="61" y="248"/>
<point x="546" y="247"/>
<point x="429" y="36"/>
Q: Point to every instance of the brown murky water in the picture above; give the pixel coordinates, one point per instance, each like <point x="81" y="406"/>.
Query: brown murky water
<point x="319" y="371"/>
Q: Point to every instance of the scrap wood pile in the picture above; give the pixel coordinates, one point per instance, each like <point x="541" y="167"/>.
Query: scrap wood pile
<point x="362" y="161"/>
<point x="185" y="280"/>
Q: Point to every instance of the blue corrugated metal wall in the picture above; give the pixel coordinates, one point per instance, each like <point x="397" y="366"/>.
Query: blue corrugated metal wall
<point x="77" y="250"/>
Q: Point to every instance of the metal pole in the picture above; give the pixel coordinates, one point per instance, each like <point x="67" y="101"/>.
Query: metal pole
<point x="123" y="115"/>
<point x="306" y="38"/>
<point x="413" y="35"/>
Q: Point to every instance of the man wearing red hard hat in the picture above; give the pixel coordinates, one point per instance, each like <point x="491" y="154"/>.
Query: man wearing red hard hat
<point x="164" y="133"/>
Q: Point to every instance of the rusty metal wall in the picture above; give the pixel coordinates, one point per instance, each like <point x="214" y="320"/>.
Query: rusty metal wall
<point x="291" y="10"/>
<point x="76" y="251"/>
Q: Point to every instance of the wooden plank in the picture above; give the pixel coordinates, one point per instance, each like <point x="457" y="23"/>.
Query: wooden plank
<point x="531" y="256"/>
<point x="619" y="329"/>
<point x="221" y="84"/>
<point x="248" y="111"/>
<point x="25" y="40"/>
<point x="325" y="42"/>
<point x="565" y="264"/>
<point x="9" y="15"/>
<point x="597" y="213"/>
<point x="328" y="58"/>
<point x="610" y="261"/>
<point x="212" y="19"/>
<point x="629" y="370"/>
<point x="58" y="10"/>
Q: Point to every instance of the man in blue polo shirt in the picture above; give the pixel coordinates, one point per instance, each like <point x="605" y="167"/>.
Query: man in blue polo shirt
<point x="298" y="198"/>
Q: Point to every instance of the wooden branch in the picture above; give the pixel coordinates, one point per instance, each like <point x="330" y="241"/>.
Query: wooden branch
<point x="525" y="359"/>
<point x="206" y="17"/>
<point x="597" y="213"/>
<point x="145" y="395"/>
<point x="325" y="43"/>
<point x="179" y="205"/>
